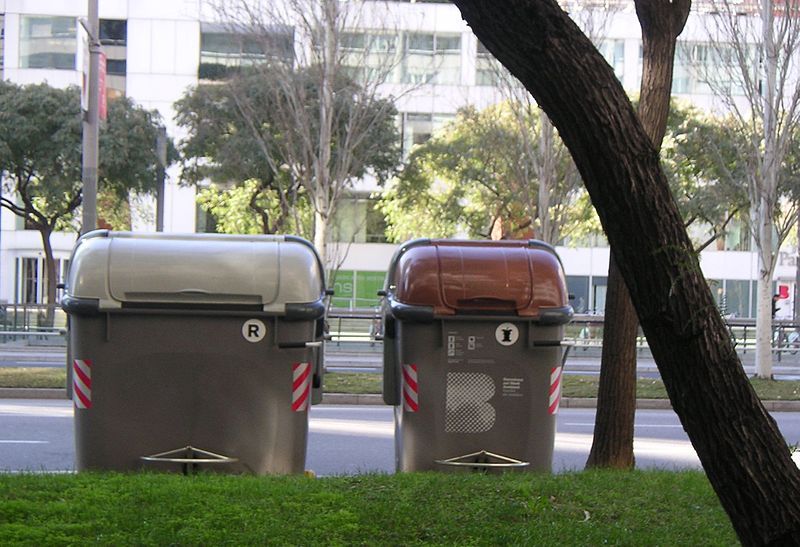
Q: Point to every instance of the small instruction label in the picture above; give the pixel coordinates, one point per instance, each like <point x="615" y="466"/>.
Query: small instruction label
<point x="462" y="346"/>
<point x="512" y="387"/>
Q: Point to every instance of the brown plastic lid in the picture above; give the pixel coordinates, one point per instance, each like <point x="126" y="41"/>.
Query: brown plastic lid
<point x="457" y="276"/>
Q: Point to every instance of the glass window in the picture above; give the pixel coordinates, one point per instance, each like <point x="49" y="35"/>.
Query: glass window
<point x="113" y="32"/>
<point x="205" y="221"/>
<point x="432" y="59"/>
<point x="418" y="128"/>
<point x="47" y="42"/>
<point x="27" y="280"/>
<point x="420" y="42"/>
<point x="116" y="67"/>
<point x="222" y="51"/>
<point x="369" y="56"/>
<point x="578" y="287"/>
<point x="352" y="40"/>
<point x="487" y="68"/>
<point x="736" y="296"/>
<point x="705" y="69"/>
<point x="599" y="288"/>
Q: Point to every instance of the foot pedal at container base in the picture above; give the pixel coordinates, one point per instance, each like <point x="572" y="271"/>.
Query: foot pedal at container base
<point x="483" y="461"/>
<point x="189" y="458"/>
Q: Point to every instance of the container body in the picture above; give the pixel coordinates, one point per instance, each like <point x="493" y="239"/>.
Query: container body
<point x="194" y="351"/>
<point x="160" y="382"/>
<point x="463" y="392"/>
<point x="473" y="354"/>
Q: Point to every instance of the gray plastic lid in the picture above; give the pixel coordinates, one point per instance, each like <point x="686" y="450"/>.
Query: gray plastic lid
<point x="176" y="269"/>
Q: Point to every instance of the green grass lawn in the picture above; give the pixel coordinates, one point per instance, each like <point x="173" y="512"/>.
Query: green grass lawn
<point x="587" y="508"/>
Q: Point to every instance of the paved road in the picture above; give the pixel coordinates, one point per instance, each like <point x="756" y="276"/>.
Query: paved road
<point x="368" y="359"/>
<point x="36" y="435"/>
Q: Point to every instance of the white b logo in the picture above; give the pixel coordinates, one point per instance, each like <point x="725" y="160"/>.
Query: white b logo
<point x="254" y="330"/>
<point x="507" y="334"/>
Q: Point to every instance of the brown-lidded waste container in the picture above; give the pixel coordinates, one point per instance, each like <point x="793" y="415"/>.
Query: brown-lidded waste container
<point x="198" y="350"/>
<point x="473" y="351"/>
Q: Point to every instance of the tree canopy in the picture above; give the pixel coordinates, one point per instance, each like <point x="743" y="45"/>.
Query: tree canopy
<point x="478" y="171"/>
<point x="40" y="156"/>
<point x="240" y="134"/>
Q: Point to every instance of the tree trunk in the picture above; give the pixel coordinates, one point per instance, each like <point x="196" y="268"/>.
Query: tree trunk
<point x="50" y="276"/>
<point x="766" y="267"/>
<point x="323" y="180"/>
<point x="612" y="446"/>
<point x="321" y="236"/>
<point x="742" y="451"/>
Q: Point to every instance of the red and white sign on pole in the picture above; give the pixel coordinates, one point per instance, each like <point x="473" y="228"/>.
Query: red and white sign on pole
<point x="102" y="105"/>
<point x="301" y="386"/>
<point x="410" y="388"/>
<point x="555" y="390"/>
<point x="82" y="383"/>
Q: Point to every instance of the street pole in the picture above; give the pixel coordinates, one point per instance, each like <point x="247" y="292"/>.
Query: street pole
<point x="91" y="128"/>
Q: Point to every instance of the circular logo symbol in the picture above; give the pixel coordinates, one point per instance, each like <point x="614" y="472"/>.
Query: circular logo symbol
<point x="507" y="334"/>
<point x="254" y="330"/>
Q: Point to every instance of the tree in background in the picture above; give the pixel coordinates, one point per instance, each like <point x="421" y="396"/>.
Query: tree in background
<point x="240" y="136"/>
<point x="751" y="65"/>
<point x="232" y="149"/>
<point x="479" y="175"/>
<point x="328" y="123"/>
<point x="247" y="208"/>
<point x="742" y="451"/>
<point x="40" y="158"/>
<point x="612" y="446"/>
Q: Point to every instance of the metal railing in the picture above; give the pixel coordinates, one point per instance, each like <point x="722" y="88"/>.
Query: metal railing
<point x="344" y="326"/>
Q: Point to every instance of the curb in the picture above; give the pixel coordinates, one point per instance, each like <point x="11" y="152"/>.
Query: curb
<point x="32" y="393"/>
<point x="374" y="399"/>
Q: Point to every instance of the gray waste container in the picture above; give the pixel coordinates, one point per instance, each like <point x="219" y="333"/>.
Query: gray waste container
<point x="473" y="355"/>
<point x="194" y="350"/>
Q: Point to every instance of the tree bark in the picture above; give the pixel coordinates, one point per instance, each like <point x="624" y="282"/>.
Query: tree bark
<point x="612" y="446"/>
<point x="50" y="275"/>
<point x="742" y="451"/>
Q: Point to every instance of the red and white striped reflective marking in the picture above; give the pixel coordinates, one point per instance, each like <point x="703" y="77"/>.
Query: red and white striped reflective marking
<point x="301" y="386"/>
<point x="555" y="389"/>
<point x="82" y="383"/>
<point x="410" y="388"/>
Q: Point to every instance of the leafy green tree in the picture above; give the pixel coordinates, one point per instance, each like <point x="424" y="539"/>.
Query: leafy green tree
<point x="40" y="157"/>
<point x="705" y="172"/>
<point x="240" y="132"/>
<point x="478" y="173"/>
<point x="248" y="207"/>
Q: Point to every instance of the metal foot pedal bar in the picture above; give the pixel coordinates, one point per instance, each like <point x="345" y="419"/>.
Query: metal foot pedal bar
<point x="189" y="455"/>
<point x="483" y="460"/>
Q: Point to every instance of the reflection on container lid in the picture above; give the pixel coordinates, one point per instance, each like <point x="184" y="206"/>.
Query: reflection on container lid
<point x="461" y="277"/>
